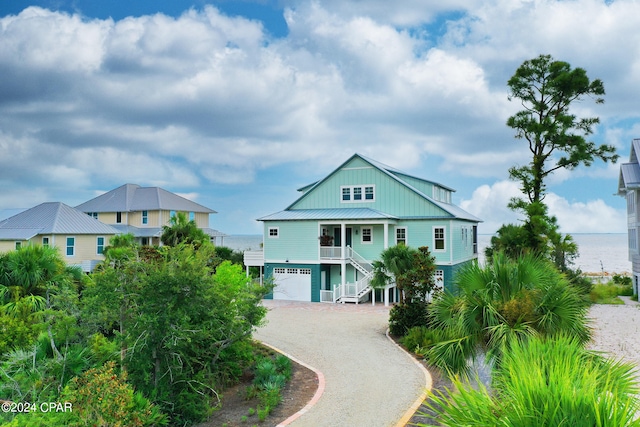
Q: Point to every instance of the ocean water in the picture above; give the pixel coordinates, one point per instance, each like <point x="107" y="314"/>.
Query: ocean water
<point x="598" y="252"/>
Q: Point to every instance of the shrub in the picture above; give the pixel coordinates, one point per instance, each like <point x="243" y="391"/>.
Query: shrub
<point x="99" y="397"/>
<point x="403" y="317"/>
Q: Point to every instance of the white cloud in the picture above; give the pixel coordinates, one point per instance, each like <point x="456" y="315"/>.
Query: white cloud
<point x="489" y="202"/>
<point x="205" y="98"/>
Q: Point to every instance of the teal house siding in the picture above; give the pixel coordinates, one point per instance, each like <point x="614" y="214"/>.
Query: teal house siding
<point x="295" y="240"/>
<point x="362" y="208"/>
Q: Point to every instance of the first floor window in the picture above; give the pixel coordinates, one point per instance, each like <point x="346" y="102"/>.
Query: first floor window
<point x="401" y="236"/>
<point x="100" y="245"/>
<point x="18" y="245"/>
<point x="71" y="246"/>
<point x="273" y="232"/>
<point x="439" y="279"/>
<point x="438" y="238"/>
<point x="45" y="242"/>
<point x="192" y="216"/>
<point x="367" y="235"/>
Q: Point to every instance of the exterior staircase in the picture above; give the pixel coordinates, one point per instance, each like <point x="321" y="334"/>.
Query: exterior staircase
<point x="355" y="292"/>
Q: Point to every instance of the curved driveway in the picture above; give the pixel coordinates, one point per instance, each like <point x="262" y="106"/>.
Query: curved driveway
<point x="369" y="381"/>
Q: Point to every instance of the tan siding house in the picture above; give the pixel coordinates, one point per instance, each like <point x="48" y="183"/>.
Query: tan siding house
<point x="143" y="211"/>
<point x="79" y="237"/>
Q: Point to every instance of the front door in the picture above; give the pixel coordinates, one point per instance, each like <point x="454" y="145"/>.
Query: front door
<point x="337" y="240"/>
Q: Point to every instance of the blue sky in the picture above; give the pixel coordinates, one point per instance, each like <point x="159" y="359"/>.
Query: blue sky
<point x="236" y="104"/>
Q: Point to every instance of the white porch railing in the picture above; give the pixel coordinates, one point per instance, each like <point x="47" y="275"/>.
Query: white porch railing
<point x="330" y="252"/>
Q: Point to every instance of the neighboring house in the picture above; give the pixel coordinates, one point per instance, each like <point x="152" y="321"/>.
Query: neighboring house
<point x="629" y="187"/>
<point x="142" y="211"/>
<point x="322" y="246"/>
<point x="79" y="238"/>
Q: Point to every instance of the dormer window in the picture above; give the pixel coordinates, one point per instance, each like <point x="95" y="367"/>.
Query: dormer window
<point x="357" y="193"/>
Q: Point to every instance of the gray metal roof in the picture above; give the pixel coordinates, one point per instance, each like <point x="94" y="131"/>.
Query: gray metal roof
<point x="51" y="218"/>
<point x="453" y="210"/>
<point x="132" y="198"/>
<point x="327" y="214"/>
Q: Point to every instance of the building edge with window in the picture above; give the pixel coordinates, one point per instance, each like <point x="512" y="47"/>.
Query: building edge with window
<point x="80" y="238"/>
<point x="629" y="187"/>
<point x="322" y="246"/>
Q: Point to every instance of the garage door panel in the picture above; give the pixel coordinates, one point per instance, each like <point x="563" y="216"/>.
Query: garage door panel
<point x="292" y="284"/>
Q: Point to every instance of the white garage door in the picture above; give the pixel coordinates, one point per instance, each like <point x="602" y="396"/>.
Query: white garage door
<point x="292" y="284"/>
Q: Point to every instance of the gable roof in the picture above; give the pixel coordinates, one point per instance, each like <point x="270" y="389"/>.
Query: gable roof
<point x="51" y="218"/>
<point x="453" y="210"/>
<point x="132" y="198"/>
<point x="630" y="172"/>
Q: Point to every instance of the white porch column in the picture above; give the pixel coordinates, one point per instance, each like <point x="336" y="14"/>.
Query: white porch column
<point x="343" y="259"/>
<point x="386" y="234"/>
<point x="386" y="296"/>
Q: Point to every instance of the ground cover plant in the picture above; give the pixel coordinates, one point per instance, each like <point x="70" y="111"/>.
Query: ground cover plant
<point x="546" y="381"/>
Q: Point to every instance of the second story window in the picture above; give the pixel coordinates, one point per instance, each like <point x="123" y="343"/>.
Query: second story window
<point x="438" y="238"/>
<point x="145" y="217"/>
<point x="192" y="216"/>
<point x="367" y="235"/>
<point x="273" y="232"/>
<point x="118" y="217"/>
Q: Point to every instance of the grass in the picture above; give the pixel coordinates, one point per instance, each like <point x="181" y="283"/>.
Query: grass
<point x="608" y="293"/>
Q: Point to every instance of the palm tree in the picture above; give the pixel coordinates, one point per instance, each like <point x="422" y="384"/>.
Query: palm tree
<point x="39" y="283"/>
<point x="181" y="230"/>
<point x="504" y="302"/>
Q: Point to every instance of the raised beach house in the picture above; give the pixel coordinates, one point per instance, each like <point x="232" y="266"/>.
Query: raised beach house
<point x="321" y="247"/>
<point x="79" y="238"/>
<point x="629" y="187"/>
<point x="142" y="211"/>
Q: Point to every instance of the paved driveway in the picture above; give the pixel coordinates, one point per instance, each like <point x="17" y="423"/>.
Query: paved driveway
<point x="370" y="382"/>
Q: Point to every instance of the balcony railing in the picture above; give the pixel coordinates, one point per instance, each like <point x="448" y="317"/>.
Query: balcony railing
<point x="330" y="252"/>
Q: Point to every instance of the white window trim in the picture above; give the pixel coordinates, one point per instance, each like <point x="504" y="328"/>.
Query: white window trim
<point x="364" y="242"/>
<point x="363" y="193"/>
<point x="277" y="230"/>
<point x="66" y="246"/>
<point x="104" y="241"/>
<point x="444" y="238"/>
<point x="406" y="236"/>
